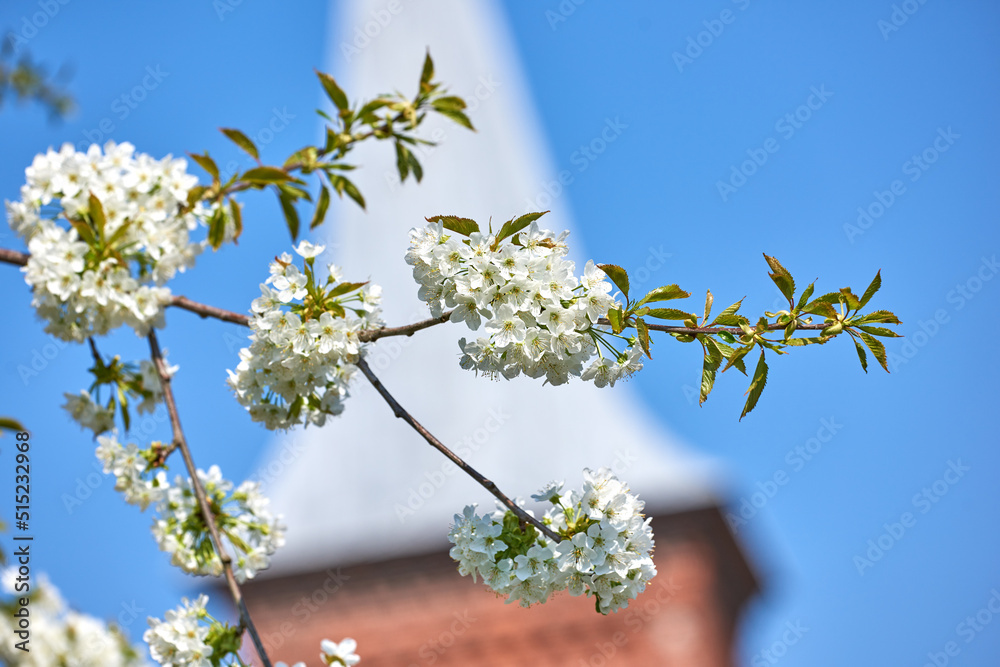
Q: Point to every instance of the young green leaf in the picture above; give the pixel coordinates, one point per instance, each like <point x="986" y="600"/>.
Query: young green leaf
<point x="643" y="330"/>
<point x="457" y="116"/>
<point x="321" y="206"/>
<point x="217" y="229"/>
<point x="669" y="314"/>
<point x="713" y="359"/>
<point x="266" y="176"/>
<point x="514" y="225"/>
<point x="872" y="289"/>
<point x="736" y="359"/>
<point x="333" y="91"/>
<point x="728" y="353"/>
<point x="879" y="316"/>
<point x="756" y="386"/>
<point x="877" y="348"/>
<point x="97" y="214"/>
<point x="618" y="276"/>
<point x="729" y="317"/>
<point x="615" y="318"/>
<point x="665" y="293"/>
<point x="781" y="277"/>
<point x="402" y="161"/>
<point x="427" y="73"/>
<point x="241" y="140"/>
<point x="291" y="215"/>
<point x="709" y="299"/>
<point x="10" y="424"/>
<point x="459" y="225"/>
<point x="850" y="299"/>
<point x="806" y="293"/>
<point x="352" y="192"/>
<point x="237" y="211"/>
<point x="206" y="163"/>
<point x="879" y="331"/>
<point x="861" y="354"/>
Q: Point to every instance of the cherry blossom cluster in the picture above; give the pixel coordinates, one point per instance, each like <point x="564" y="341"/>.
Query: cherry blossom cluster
<point x="246" y="525"/>
<point x="106" y="229"/>
<point x="190" y="637"/>
<point x="59" y="635"/>
<point x="540" y="318"/>
<point x="182" y="639"/>
<point x="304" y="342"/>
<point x="605" y="551"/>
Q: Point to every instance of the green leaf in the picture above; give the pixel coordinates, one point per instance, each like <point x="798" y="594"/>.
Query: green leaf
<point x="514" y="225"/>
<point x="850" y="298"/>
<point x="879" y="331"/>
<point x="427" y="73"/>
<point x="669" y="314"/>
<point x="823" y="306"/>
<point x="872" y="289"/>
<point x="665" y="293"/>
<point x="728" y="353"/>
<point x="881" y="316"/>
<point x="736" y="359"/>
<point x="618" y="275"/>
<point x="457" y="116"/>
<point x="266" y="175"/>
<point x="616" y="319"/>
<point x="237" y="210"/>
<point x="756" y="386"/>
<point x="97" y="214"/>
<point x="371" y="107"/>
<point x="321" y="206"/>
<point x="291" y="215"/>
<point x="861" y="354"/>
<point x="206" y="163"/>
<point x="713" y="359"/>
<point x="709" y="299"/>
<point x="402" y="161"/>
<point x="782" y="278"/>
<point x="807" y="340"/>
<point x="344" y="288"/>
<point x="877" y="348"/>
<point x="241" y="140"/>
<point x="459" y="225"/>
<point x="643" y="330"/>
<point x="216" y="229"/>
<point x="730" y="317"/>
<point x="10" y="424"/>
<point x="333" y="91"/>
<point x="352" y="191"/>
<point x="806" y="293"/>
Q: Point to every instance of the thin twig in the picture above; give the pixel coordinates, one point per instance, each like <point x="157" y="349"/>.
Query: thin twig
<point x="736" y="331"/>
<point x="13" y="257"/>
<point x="401" y="413"/>
<point x="203" y="504"/>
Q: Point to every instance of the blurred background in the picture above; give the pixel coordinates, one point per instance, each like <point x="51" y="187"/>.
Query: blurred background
<point x="691" y="137"/>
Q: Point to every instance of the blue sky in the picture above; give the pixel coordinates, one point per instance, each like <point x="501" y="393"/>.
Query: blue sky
<point x="914" y="106"/>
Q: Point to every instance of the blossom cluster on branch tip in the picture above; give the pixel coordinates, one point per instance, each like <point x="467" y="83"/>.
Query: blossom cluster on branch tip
<point x="605" y="551"/>
<point x="304" y="342"/>
<point x="539" y="318"/>
<point x="106" y="229"/>
<point x="247" y="528"/>
<point x="59" y="635"/>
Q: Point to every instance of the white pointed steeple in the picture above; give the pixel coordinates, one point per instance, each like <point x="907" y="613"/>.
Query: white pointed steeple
<point x="366" y="486"/>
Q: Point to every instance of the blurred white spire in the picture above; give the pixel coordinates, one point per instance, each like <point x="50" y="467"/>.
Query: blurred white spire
<point x="366" y="486"/>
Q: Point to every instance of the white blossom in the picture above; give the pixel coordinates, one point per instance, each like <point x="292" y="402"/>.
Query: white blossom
<point x="538" y="317"/>
<point x="97" y="266"/>
<point x="605" y="551"/>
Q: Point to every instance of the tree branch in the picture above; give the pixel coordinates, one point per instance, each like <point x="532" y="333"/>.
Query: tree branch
<point x="401" y="413"/>
<point x="203" y="504"/>
<point x="204" y="310"/>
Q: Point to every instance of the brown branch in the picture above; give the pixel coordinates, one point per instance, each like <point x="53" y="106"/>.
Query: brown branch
<point x="13" y="257"/>
<point x="401" y="413"/>
<point x="203" y="504"/>
<point x="205" y="310"/>
<point x="736" y="331"/>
